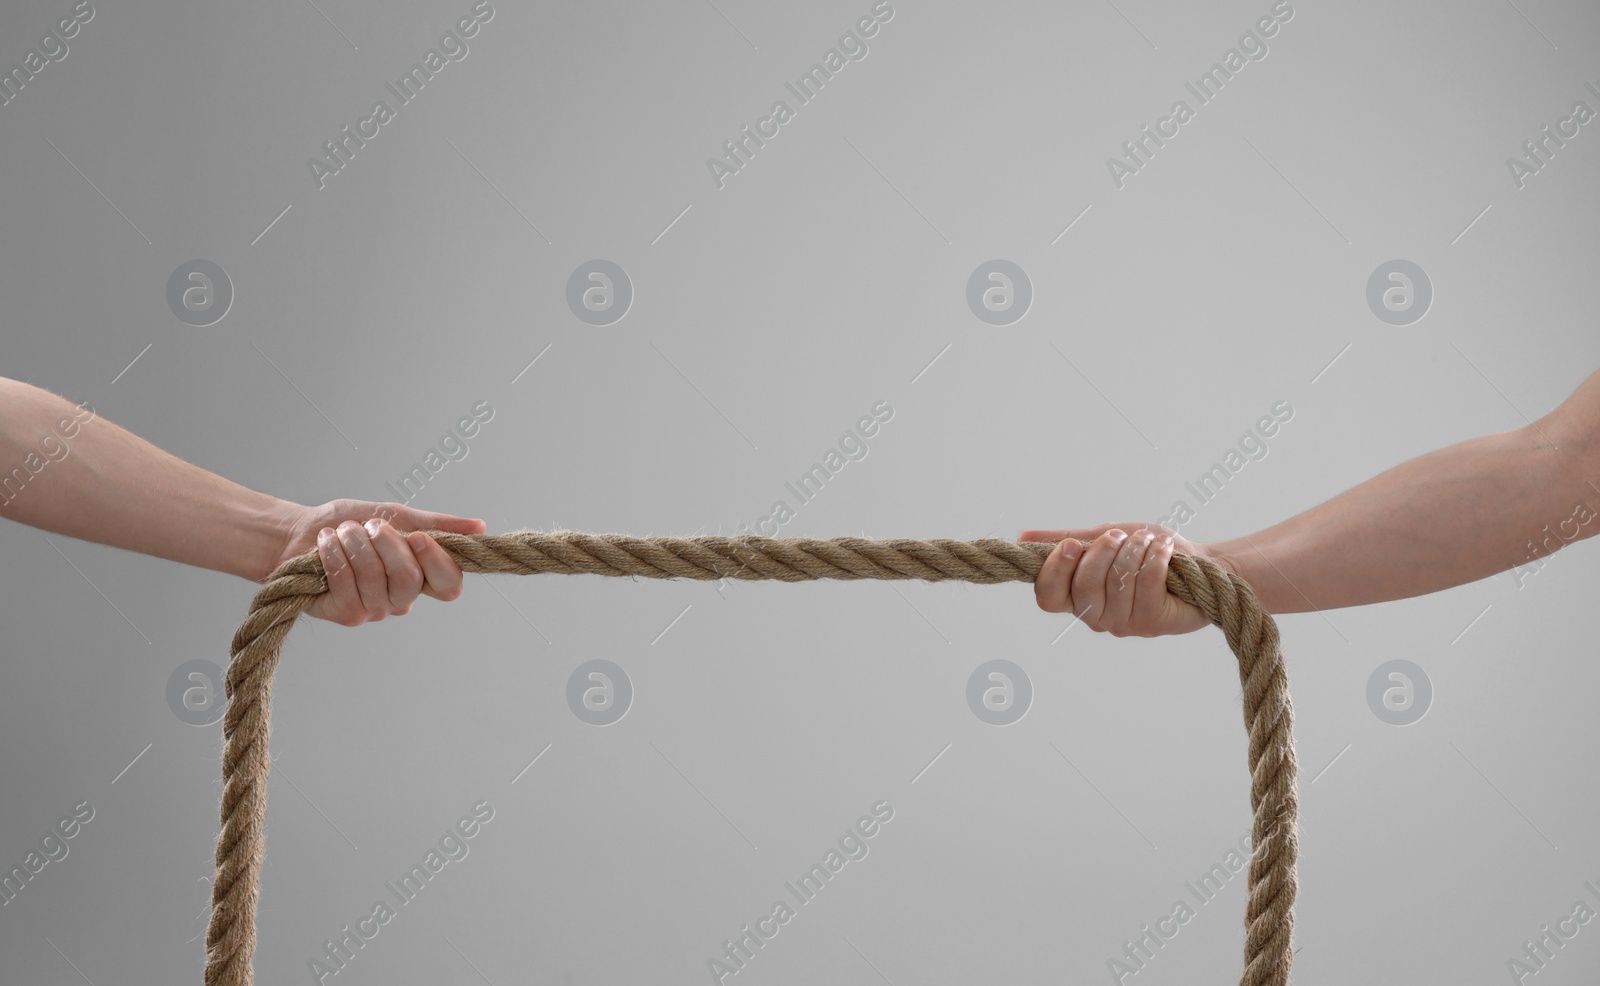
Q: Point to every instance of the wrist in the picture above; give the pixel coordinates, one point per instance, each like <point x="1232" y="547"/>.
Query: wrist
<point x="1240" y="558"/>
<point x="275" y="529"/>
<point x="1268" y="581"/>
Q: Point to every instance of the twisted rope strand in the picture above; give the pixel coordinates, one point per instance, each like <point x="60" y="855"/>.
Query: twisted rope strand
<point x="1226" y="599"/>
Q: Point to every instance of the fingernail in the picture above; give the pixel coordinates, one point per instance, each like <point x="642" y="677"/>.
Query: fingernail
<point x="372" y="527"/>
<point x="324" y="534"/>
<point x="1070" y="547"/>
<point x="1117" y="536"/>
<point x="1166" y="540"/>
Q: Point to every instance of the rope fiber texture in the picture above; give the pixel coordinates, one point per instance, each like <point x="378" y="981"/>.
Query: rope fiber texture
<point x="1224" y="597"/>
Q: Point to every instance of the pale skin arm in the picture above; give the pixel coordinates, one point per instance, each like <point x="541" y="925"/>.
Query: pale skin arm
<point x="1455" y="515"/>
<point x="73" y="472"/>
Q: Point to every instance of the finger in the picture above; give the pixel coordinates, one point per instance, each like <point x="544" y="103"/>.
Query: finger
<point x="1150" y="589"/>
<point x="372" y="583"/>
<point x="400" y="565"/>
<point x="442" y="574"/>
<point x="342" y="604"/>
<point x="1052" y="587"/>
<point x="1089" y="584"/>
<point x="427" y="520"/>
<point x="1122" y="581"/>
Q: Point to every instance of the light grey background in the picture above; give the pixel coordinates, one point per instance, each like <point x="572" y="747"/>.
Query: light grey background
<point x="826" y="276"/>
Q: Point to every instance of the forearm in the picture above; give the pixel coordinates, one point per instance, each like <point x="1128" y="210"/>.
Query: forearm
<point x="1455" y="515"/>
<point x="66" y="470"/>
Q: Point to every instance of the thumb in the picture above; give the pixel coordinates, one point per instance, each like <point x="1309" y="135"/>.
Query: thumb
<point x="424" y="520"/>
<point x="1081" y="533"/>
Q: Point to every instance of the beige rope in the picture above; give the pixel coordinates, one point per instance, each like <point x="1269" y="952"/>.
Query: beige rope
<point x="1222" y="596"/>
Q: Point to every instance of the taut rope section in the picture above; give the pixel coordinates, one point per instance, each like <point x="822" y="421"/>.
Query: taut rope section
<point x="1222" y="596"/>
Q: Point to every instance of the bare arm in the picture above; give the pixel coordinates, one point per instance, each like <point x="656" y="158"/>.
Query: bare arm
<point x="66" y="469"/>
<point x="1455" y="515"/>
<point x="1452" y="516"/>
<point x="102" y="483"/>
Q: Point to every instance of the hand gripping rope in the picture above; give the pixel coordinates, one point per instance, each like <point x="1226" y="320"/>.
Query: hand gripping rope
<point x="1225" y="598"/>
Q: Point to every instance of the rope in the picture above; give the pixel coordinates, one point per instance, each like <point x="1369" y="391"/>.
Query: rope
<point x="1225" y="598"/>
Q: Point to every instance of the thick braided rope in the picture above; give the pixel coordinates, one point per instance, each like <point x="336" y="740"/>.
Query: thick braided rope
<point x="1225" y="598"/>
